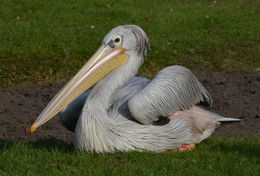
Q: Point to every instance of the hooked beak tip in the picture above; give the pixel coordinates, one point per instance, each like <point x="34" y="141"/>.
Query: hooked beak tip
<point x="32" y="128"/>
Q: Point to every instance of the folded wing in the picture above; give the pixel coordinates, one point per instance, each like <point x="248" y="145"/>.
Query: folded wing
<point x="174" y="88"/>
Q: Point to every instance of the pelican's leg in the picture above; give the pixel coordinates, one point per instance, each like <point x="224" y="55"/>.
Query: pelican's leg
<point x="182" y="148"/>
<point x="185" y="147"/>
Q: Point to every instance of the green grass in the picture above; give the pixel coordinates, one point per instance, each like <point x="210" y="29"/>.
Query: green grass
<point x="50" y="40"/>
<point x="238" y="156"/>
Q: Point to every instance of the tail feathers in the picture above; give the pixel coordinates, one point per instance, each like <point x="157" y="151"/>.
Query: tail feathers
<point x="221" y="118"/>
<point x="228" y="119"/>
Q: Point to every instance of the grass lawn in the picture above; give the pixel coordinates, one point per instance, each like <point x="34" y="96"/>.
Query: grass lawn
<point x="51" y="40"/>
<point x="238" y="156"/>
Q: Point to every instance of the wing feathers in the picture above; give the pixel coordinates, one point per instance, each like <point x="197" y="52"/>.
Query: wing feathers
<point x="174" y="88"/>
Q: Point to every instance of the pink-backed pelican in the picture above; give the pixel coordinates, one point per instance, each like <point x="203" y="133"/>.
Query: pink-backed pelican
<point x="123" y="112"/>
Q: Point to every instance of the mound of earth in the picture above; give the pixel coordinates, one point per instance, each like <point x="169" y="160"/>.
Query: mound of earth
<point x="234" y="94"/>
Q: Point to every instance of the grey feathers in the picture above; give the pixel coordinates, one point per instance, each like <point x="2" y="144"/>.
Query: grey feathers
<point x="70" y="115"/>
<point x="174" y="88"/>
<point x="119" y="107"/>
<point x="134" y="38"/>
<point x="143" y="45"/>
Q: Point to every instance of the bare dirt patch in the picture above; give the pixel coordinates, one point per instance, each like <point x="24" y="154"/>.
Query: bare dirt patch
<point x="234" y="94"/>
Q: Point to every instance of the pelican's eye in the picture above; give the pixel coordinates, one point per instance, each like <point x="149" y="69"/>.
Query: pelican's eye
<point x="117" y="40"/>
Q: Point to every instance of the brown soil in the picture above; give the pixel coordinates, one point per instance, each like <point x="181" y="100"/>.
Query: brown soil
<point x="234" y="94"/>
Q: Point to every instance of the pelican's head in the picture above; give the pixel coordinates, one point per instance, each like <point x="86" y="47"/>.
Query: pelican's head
<point x="130" y="37"/>
<point x="116" y="47"/>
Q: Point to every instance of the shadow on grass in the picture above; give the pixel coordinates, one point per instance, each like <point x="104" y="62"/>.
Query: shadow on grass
<point x="42" y="144"/>
<point x="243" y="145"/>
<point x="51" y="144"/>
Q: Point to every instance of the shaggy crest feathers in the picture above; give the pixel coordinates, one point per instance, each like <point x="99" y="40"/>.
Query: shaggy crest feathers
<point x="143" y="45"/>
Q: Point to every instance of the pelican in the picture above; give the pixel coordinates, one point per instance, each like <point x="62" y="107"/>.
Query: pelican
<point x="111" y="110"/>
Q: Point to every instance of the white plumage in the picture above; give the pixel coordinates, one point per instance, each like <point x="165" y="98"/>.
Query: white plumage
<point x="123" y="112"/>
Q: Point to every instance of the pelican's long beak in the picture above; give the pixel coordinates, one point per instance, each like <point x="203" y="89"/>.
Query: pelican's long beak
<point x="99" y="65"/>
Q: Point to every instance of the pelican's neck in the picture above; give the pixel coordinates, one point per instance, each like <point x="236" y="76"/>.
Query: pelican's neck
<point x="94" y="123"/>
<point x="102" y="91"/>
